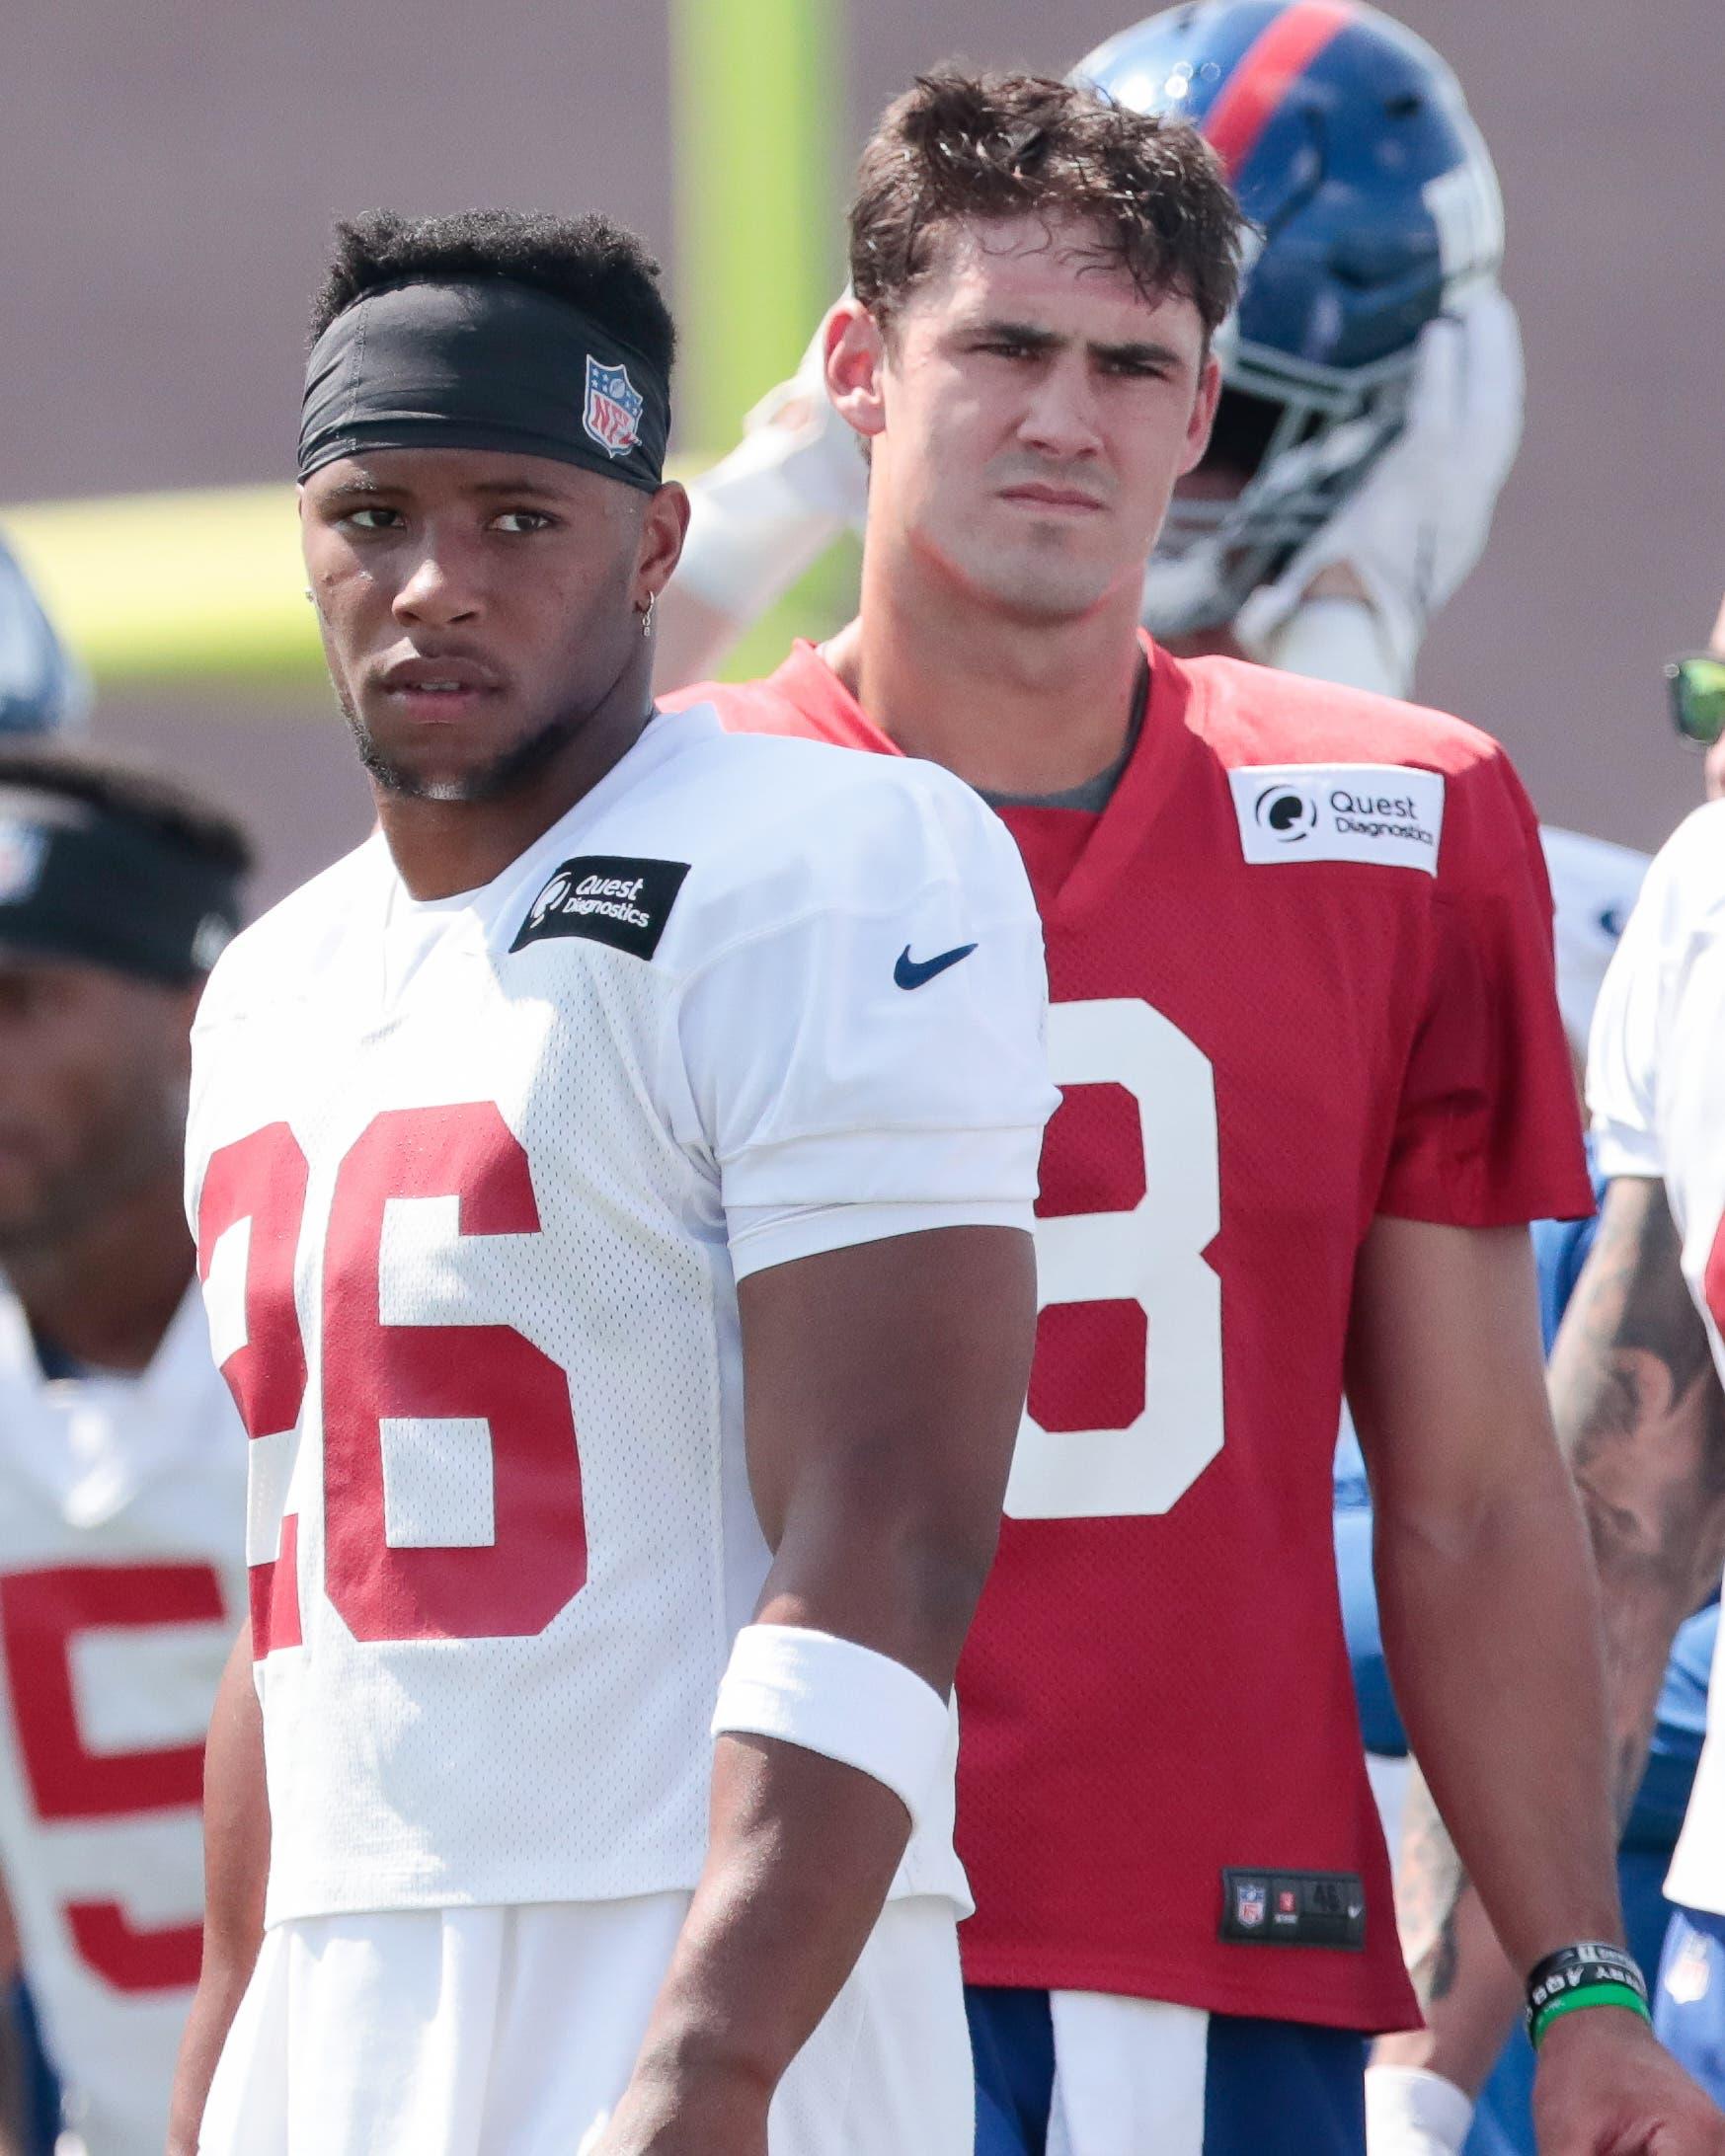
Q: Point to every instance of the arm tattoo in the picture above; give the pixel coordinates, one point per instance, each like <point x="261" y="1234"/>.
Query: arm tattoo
<point x="1429" y="1886"/>
<point x="1640" y="1415"/>
<point x="1632" y="1336"/>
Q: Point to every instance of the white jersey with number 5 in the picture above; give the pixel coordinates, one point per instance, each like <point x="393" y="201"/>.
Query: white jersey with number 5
<point x="1656" y="1085"/>
<point x="474" y="1181"/>
<point x="122" y="1586"/>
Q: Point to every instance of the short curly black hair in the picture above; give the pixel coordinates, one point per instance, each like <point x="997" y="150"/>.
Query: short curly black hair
<point x="600" y="266"/>
<point x="155" y="802"/>
<point x="967" y="148"/>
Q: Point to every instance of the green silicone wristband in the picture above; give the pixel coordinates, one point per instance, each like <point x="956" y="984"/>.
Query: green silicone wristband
<point x="1572" y="2002"/>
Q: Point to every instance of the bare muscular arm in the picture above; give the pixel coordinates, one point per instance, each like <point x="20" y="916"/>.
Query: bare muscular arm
<point x="1640" y="1420"/>
<point x="884" y="1387"/>
<point x="236" y="1868"/>
<point x="1479" y="1541"/>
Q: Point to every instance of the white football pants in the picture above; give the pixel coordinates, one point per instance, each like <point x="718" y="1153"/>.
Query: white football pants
<point x="511" y="2032"/>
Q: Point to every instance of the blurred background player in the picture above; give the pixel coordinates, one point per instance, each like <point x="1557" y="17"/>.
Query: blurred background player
<point x="122" y="1462"/>
<point x="1027" y="361"/>
<point x="1596" y="882"/>
<point x="43" y="689"/>
<point x="1369" y="411"/>
<point x="1696" y="686"/>
<point x="1473" y="1991"/>
<point x="1638" y="1365"/>
<point x="1635" y="1386"/>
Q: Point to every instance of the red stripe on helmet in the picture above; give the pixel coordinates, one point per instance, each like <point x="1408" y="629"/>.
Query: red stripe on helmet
<point x="1279" y="55"/>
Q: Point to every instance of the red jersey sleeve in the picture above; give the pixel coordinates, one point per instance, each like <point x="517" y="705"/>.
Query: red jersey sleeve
<point x="1488" y="1132"/>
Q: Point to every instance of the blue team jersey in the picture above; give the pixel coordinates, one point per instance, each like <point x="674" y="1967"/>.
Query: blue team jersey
<point x="37" y="2098"/>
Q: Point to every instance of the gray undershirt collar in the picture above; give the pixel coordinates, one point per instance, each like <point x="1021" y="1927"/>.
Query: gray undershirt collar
<point x="1091" y="796"/>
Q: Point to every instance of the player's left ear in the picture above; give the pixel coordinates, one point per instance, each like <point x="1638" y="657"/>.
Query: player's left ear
<point x="664" y="528"/>
<point x="1202" y="416"/>
<point x="857" y="357"/>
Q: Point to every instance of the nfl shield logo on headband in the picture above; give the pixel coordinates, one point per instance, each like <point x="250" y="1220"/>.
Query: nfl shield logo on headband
<point x="613" y="409"/>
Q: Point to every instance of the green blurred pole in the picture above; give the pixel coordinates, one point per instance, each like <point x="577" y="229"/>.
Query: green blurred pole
<point x="757" y="117"/>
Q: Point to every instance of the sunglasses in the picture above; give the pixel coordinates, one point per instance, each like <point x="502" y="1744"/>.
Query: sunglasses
<point x="1696" y="685"/>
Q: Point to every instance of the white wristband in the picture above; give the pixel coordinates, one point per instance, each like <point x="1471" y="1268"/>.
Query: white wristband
<point x="1410" y="2112"/>
<point x="845" y="1701"/>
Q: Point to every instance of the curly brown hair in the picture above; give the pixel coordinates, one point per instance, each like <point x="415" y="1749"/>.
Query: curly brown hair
<point x="966" y="148"/>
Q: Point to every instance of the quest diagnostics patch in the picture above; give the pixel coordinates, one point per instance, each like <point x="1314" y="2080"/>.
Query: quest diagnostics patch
<point x="1388" y="814"/>
<point x="608" y="900"/>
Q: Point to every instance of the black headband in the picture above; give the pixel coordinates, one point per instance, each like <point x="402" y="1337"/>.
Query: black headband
<point x="483" y="363"/>
<point x="90" y="884"/>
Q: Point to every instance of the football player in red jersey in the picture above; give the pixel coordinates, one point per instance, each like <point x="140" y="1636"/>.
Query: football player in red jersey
<point x="1315" y="1085"/>
<point x="1350" y="477"/>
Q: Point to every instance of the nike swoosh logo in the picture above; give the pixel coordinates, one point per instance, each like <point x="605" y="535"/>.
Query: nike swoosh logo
<point x="913" y="973"/>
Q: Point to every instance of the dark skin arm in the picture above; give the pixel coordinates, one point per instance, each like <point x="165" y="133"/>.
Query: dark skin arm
<point x="1640" y="1420"/>
<point x="236" y="1869"/>
<point x="884" y="1387"/>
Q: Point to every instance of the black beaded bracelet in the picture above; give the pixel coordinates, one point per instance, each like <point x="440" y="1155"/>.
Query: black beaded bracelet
<point x="1593" y="1974"/>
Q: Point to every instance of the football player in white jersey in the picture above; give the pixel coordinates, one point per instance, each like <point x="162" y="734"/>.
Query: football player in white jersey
<point x="122" y="1491"/>
<point x="603" y="1773"/>
<point x="1637" y="1370"/>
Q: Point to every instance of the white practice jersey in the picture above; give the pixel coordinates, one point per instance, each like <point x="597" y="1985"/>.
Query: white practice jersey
<point x="1656" y="1085"/>
<point x="121" y="1586"/>
<point x="473" y="1183"/>
<point x="1595" y="883"/>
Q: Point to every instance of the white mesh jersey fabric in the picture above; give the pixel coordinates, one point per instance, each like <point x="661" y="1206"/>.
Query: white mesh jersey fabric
<point x="500" y="1685"/>
<point x="1656" y="1085"/>
<point x="121" y="1586"/>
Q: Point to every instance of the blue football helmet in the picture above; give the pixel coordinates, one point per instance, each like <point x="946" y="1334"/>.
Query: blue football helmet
<point x="41" y="686"/>
<point x="1373" y="202"/>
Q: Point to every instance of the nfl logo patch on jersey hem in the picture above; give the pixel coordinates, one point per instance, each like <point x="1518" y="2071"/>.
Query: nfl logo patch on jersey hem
<point x="606" y="899"/>
<point x="1388" y="813"/>
<point x="1260" y="1908"/>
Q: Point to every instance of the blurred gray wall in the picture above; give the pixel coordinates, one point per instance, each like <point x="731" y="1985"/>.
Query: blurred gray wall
<point x="168" y="176"/>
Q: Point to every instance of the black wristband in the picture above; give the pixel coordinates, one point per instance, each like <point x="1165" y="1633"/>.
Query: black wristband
<point x="1577" y="1968"/>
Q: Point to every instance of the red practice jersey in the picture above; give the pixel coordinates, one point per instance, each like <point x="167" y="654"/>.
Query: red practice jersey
<point x="1301" y="976"/>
